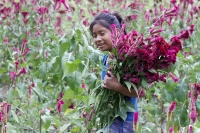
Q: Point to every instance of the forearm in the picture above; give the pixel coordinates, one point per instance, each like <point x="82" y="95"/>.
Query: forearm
<point x="124" y="90"/>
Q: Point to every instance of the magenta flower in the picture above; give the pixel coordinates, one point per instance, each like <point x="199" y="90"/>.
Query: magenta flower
<point x="171" y="75"/>
<point x="12" y="75"/>
<point x="171" y="129"/>
<point x="91" y="114"/>
<point x="135" y="117"/>
<point x="135" y="121"/>
<point x="24" y="14"/>
<point x="66" y="6"/>
<point x="191" y="28"/>
<point x="83" y="86"/>
<point x="16" y="65"/>
<point x="184" y="35"/>
<point x="26" y="52"/>
<point x="6" y="40"/>
<point x="172" y="107"/>
<point x="71" y="106"/>
<point x="190" y="129"/>
<point x="193" y="115"/>
<point x="24" y="41"/>
<point x="141" y="92"/>
<point x="59" y="106"/>
<point x="42" y="10"/>
<point x="22" y="71"/>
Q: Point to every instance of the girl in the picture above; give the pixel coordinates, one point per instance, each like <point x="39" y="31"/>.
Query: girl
<point x="101" y="32"/>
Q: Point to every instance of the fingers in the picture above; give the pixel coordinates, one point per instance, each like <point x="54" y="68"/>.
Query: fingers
<point x="110" y="74"/>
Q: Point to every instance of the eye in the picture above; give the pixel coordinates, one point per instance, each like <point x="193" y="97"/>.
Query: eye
<point x="102" y="33"/>
<point x="94" y="35"/>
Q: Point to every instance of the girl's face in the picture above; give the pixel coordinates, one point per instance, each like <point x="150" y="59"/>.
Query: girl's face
<point x="102" y="37"/>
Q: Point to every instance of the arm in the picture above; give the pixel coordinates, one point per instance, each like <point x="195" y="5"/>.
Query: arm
<point x="111" y="82"/>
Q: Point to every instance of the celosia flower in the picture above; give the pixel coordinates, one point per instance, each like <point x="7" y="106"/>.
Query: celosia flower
<point x="163" y="77"/>
<point x="172" y="107"/>
<point x="191" y="28"/>
<point x="6" y="40"/>
<point x="184" y="35"/>
<point x="71" y="106"/>
<point x="193" y="115"/>
<point x="24" y="41"/>
<point x="59" y="105"/>
<point x="16" y="65"/>
<point x="141" y="92"/>
<point x="190" y="129"/>
<point x="66" y="6"/>
<point x="83" y="86"/>
<point x="135" y="121"/>
<point x="24" y="14"/>
<point x="171" y="129"/>
<point x="22" y="71"/>
<point x="171" y="75"/>
<point x="26" y="52"/>
<point x="12" y="75"/>
<point x="91" y="114"/>
<point x="171" y="110"/>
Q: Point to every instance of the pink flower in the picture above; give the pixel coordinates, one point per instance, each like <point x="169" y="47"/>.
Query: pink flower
<point x="71" y="106"/>
<point x="66" y="6"/>
<point x="24" y="14"/>
<point x="26" y="52"/>
<point x="193" y="115"/>
<point x="135" y="121"/>
<point x="22" y="71"/>
<point x="141" y="92"/>
<point x="16" y="65"/>
<point x="59" y="105"/>
<point x="171" y="129"/>
<point x="172" y="107"/>
<point x="12" y="75"/>
<point x="6" y="40"/>
<point x="173" y="77"/>
<point x="91" y="114"/>
<point x="176" y="44"/>
<point x="163" y="77"/>
<point x="134" y="17"/>
<point x="24" y="41"/>
<point x="184" y="35"/>
<point x="190" y="129"/>
<point x="83" y="86"/>
<point x="191" y="28"/>
<point x="135" y="117"/>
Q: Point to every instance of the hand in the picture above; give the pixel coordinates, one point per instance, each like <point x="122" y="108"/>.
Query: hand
<point x="110" y="82"/>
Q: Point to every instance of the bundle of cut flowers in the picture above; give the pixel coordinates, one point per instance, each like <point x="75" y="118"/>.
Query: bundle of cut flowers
<point x="136" y="60"/>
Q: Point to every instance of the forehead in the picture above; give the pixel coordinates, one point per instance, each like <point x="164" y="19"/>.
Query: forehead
<point x="98" y="28"/>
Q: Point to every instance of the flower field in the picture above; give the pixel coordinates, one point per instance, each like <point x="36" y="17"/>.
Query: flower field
<point x="49" y="66"/>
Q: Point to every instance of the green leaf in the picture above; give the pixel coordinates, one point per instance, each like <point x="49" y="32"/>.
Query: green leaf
<point x="183" y="116"/>
<point x="152" y="71"/>
<point x="90" y="80"/>
<point x="3" y="70"/>
<point x="71" y="67"/>
<point x="179" y="94"/>
<point x="64" y="127"/>
<point x="54" y="64"/>
<point x="144" y="83"/>
<point x="74" y="81"/>
<point x="15" y="116"/>
<point x="66" y="58"/>
<point x="197" y="103"/>
<point x="166" y="96"/>
<point x="47" y="121"/>
<point x="43" y="70"/>
<point x="63" y="48"/>
<point x="128" y="85"/>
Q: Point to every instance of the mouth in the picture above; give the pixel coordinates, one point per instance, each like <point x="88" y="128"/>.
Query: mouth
<point x="100" y="46"/>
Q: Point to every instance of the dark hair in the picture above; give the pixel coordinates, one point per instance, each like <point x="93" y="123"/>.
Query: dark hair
<point x="106" y="20"/>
